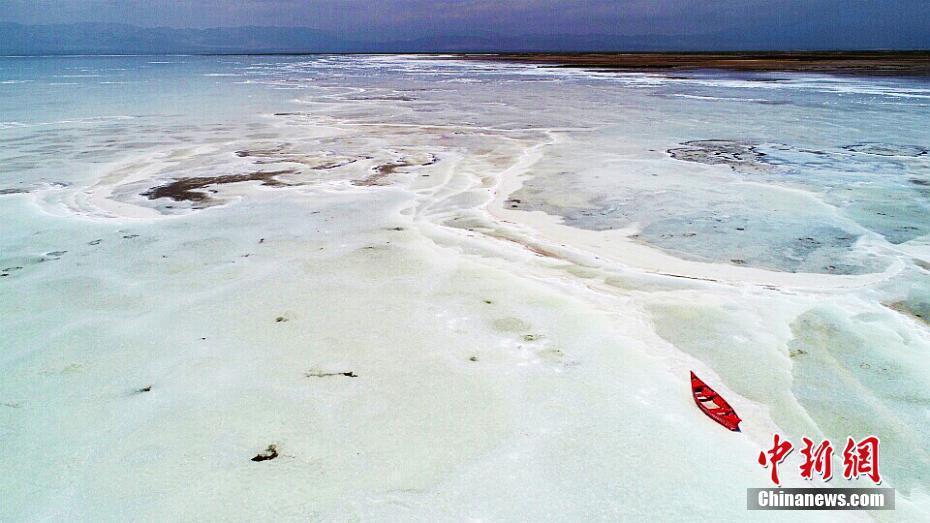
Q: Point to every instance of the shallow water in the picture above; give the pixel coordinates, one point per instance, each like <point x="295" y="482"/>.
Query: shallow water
<point x="446" y="289"/>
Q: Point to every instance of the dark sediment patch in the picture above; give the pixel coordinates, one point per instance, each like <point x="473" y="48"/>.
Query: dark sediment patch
<point x="320" y="374"/>
<point x="189" y="189"/>
<point x="246" y="153"/>
<point x="915" y="309"/>
<point x="382" y="171"/>
<point x="881" y="63"/>
<point x="142" y="390"/>
<point x="12" y="191"/>
<point x="268" y="454"/>
<point x="19" y="263"/>
<point x="397" y="98"/>
<point x="315" y="163"/>
<point x="95" y="242"/>
<point x="887" y="149"/>
<point x="738" y="155"/>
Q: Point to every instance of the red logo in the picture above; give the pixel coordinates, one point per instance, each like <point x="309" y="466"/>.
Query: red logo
<point x="859" y="459"/>
<point x="777" y="454"/>
<point x="819" y="460"/>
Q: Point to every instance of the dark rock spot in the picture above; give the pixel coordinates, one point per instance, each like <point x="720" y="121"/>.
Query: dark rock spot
<point x="320" y="374"/>
<point x="280" y="319"/>
<point x="270" y="453"/>
<point x="95" y="242"/>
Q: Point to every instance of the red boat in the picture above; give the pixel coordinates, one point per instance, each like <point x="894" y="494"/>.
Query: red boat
<point x="713" y="404"/>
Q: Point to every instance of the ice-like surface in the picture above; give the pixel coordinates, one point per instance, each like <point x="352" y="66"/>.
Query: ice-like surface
<point x="448" y="290"/>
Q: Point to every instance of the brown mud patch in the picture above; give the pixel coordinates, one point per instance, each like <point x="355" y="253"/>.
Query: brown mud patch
<point x="189" y="189"/>
<point x="917" y="311"/>
<point x="380" y="173"/>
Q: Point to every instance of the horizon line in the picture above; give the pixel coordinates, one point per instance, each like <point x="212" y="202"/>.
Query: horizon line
<point x="492" y="52"/>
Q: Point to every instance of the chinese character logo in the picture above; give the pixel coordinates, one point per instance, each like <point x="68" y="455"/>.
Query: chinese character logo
<point x="819" y="460"/>
<point x="775" y="455"/>
<point x="859" y="459"/>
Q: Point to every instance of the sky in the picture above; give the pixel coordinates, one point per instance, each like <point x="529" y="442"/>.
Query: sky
<point x="393" y="19"/>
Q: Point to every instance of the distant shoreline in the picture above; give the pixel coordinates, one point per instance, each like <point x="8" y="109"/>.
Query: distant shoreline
<point x="865" y="63"/>
<point x="870" y="63"/>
